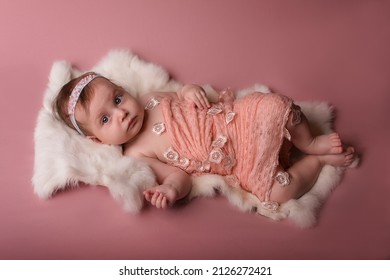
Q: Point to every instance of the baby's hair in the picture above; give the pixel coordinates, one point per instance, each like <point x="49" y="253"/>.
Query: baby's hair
<point x="60" y="105"/>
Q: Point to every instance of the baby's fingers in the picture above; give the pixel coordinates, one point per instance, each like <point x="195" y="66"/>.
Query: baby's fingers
<point x="159" y="200"/>
<point x="198" y="102"/>
<point x="201" y="100"/>
<point x="147" y="195"/>
<point x="154" y="198"/>
<point x="164" y="203"/>
<point x="205" y="100"/>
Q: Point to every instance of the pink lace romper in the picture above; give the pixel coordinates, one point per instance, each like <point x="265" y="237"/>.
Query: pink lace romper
<point x="241" y="139"/>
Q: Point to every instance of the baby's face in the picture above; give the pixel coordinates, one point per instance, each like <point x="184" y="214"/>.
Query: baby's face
<point x="114" y="116"/>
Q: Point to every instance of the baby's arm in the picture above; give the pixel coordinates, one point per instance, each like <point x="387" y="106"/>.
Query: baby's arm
<point x="174" y="184"/>
<point x="191" y="93"/>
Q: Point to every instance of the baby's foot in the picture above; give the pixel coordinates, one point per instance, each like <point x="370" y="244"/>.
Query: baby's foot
<point x="326" y="144"/>
<point x="344" y="159"/>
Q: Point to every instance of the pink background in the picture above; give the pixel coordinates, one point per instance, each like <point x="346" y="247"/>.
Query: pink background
<point x="336" y="51"/>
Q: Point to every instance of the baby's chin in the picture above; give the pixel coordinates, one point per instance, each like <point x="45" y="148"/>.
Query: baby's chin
<point x="128" y="140"/>
<point x="117" y="142"/>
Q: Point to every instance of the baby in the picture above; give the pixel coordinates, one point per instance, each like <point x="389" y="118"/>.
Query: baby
<point x="181" y="133"/>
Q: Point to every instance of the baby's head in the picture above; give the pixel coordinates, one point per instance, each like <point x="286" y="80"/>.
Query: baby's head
<point x="100" y="110"/>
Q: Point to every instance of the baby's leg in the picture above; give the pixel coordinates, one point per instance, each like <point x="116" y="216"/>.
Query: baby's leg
<point x="304" y="173"/>
<point x="302" y="176"/>
<point x="303" y="139"/>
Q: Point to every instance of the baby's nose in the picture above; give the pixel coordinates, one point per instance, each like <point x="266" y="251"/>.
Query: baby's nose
<point x="122" y="114"/>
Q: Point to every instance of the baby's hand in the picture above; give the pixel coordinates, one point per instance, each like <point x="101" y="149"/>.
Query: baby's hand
<point x="161" y="196"/>
<point x="194" y="94"/>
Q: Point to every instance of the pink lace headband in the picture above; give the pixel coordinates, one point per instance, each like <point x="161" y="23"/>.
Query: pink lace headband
<point x="74" y="97"/>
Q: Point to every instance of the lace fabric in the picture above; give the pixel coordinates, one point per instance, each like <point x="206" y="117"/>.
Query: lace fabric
<point x="241" y="138"/>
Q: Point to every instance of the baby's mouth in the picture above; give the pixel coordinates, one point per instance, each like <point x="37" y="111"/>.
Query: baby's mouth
<point x="131" y="123"/>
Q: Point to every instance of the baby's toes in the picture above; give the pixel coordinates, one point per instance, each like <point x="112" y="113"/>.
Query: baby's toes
<point x="349" y="157"/>
<point x="335" y="137"/>
<point x="336" y="141"/>
<point x="335" y="144"/>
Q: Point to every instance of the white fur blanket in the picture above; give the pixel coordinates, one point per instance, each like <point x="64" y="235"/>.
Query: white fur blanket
<point x="63" y="158"/>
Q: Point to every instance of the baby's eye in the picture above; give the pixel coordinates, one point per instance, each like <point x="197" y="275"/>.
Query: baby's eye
<point x="105" y="119"/>
<point x="118" y="99"/>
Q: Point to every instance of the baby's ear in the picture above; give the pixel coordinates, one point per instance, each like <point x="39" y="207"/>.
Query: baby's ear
<point x="94" y="139"/>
